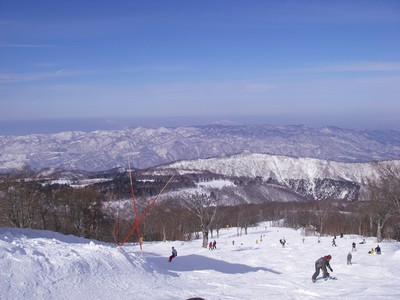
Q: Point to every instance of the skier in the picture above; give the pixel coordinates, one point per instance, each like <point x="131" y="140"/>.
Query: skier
<point x="174" y="254"/>
<point x="214" y="244"/>
<point x="378" y="250"/>
<point x="210" y="246"/>
<point x="322" y="263"/>
<point x="334" y="242"/>
<point x="349" y="257"/>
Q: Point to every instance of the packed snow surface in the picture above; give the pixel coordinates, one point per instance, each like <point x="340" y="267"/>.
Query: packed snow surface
<point x="46" y="265"/>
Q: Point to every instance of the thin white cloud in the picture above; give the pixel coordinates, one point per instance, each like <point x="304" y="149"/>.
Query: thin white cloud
<point x="45" y="65"/>
<point x="26" y="77"/>
<point x="158" y="68"/>
<point x="38" y="76"/>
<point x="5" y="45"/>
<point x="356" y="67"/>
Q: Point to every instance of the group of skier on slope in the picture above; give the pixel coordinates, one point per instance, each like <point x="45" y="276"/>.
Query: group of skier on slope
<point x="322" y="263"/>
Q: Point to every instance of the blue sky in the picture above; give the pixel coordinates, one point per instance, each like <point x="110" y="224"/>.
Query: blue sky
<point x="274" y="62"/>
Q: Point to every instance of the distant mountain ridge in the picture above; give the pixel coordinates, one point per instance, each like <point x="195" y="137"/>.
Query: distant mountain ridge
<point x="265" y="177"/>
<point x="280" y="168"/>
<point x="149" y="147"/>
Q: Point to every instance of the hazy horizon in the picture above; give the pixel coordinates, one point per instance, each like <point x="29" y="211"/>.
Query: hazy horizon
<point x="50" y="126"/>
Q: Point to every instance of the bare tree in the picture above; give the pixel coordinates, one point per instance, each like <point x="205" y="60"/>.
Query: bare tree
<point x="390" y="186"/>
<point x="204" y="207"/>
<point x="247" y="216"/>
<point x="322" y="213"/>
<point x="161" y="218"/>
<point x="81" y="211"/>
<point x="21" y="204"/>
<point x="384" y="197"/>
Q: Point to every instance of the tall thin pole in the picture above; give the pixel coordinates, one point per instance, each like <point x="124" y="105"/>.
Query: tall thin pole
<point x="144" y="214"/>
<point x="134" y="206"/>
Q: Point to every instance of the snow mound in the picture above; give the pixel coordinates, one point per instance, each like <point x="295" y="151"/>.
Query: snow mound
<point x="44" y="265"/>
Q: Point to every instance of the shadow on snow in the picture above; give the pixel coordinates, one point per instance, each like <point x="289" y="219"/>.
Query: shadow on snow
<point x="195" y="262"/>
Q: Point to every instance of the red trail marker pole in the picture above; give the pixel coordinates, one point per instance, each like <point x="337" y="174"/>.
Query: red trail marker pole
<point x="136" y="226"/>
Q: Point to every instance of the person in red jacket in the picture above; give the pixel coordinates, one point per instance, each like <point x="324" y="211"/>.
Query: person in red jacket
<point x="322" y="263"/>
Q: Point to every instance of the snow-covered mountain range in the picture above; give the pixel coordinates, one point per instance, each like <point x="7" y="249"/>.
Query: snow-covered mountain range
<point x="250" y="178"/>
<point x="148" y="147"/>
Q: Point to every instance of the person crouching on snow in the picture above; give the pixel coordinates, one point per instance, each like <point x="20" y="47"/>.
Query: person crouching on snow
<point x="322" y="263"/>
<point x="174" y="254"/>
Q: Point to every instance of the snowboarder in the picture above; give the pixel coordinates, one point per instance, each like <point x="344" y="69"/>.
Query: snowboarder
<point x="353" y="247"/>
<point x="283" y="242"/>
<point x="363" y="241"/>
<point x="378" y="250"/>
<point x="174" y="254"/>
<point x="322" y="263"/>
<point x="349" y="257"/>
<point x="372" y="251"/>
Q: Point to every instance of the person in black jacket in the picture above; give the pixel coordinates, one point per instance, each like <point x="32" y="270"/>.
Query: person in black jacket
<point x="214" y="245"/>
<point x="322" y="263"/>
